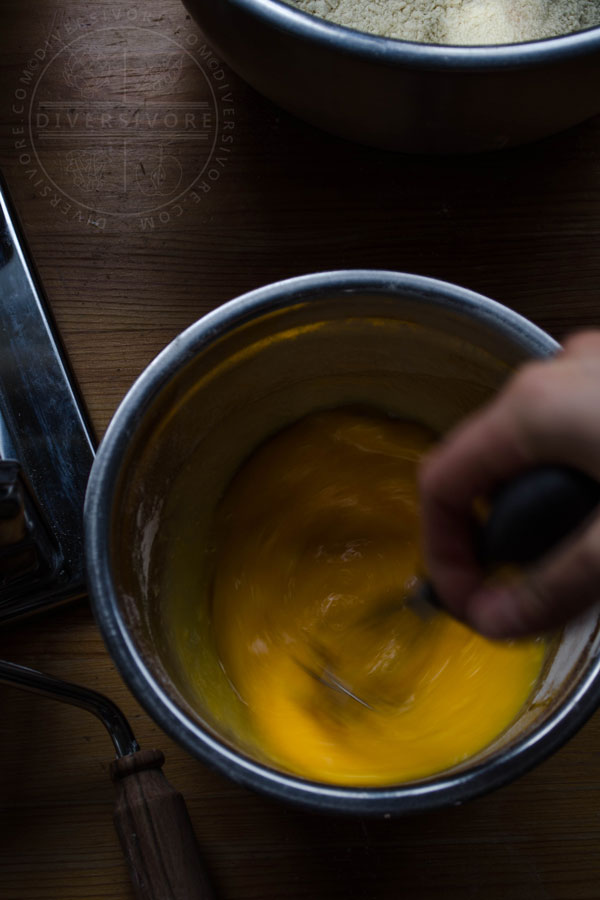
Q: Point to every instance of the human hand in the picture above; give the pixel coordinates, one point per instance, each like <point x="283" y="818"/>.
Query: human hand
<point x="549" y="412"/>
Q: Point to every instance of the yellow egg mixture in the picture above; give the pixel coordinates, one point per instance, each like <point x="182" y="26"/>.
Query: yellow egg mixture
<point x="317" y="545"/>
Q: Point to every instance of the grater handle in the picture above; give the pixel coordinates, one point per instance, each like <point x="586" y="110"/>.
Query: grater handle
<point x="155" y="831"/>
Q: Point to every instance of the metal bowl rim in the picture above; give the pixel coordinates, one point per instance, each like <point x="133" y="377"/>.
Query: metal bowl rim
<point x="282" y="16"/>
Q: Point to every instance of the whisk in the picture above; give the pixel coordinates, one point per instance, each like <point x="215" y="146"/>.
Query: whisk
<point x="528" y="517"/>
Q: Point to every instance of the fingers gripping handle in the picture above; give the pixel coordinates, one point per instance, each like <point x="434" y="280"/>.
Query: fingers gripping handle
<point x="155" y="832"/>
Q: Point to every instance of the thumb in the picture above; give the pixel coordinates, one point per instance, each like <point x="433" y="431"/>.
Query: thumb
<point x="546" y="595"/>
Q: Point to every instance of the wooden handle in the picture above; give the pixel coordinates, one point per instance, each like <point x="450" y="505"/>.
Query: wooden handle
<point x="155" y="832"/>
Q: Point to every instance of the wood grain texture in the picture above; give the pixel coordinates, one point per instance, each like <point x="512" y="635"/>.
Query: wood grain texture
<point x="522" y="227"/>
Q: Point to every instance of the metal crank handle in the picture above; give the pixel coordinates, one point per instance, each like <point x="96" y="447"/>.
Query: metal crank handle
<point x="150" y="816"/>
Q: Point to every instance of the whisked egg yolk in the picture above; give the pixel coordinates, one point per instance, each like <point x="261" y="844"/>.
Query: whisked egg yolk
<point x="317" y="550"/>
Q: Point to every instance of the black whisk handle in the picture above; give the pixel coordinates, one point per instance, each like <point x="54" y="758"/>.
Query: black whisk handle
<point x="534" y="512"/>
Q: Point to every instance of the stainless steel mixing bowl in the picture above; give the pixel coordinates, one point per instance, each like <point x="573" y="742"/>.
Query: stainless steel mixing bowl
<point x="400" y="95"/>
<point x="411" y="346"/>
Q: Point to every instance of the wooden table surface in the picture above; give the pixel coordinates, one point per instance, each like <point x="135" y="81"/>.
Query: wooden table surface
<point x="132" y="248"/>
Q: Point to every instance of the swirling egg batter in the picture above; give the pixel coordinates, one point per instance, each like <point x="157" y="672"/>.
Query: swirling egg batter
<point x="317" y="549"/>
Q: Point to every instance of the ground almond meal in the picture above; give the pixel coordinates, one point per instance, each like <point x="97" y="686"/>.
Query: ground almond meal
<point x="459" y="21"/>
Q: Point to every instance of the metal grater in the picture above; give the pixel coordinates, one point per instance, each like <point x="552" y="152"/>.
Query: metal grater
<point x="46" y="442"/>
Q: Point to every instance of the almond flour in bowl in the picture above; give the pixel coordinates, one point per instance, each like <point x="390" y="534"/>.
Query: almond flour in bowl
<point x="411" y="94"/>
<point x="459" y="22"/>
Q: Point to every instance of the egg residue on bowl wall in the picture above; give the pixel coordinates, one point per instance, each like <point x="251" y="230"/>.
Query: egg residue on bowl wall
<point x="316" y="550"/>
<point x="459" y="22"/>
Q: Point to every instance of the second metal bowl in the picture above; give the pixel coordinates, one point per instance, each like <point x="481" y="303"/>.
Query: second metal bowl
<point x="400" y="95"/>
